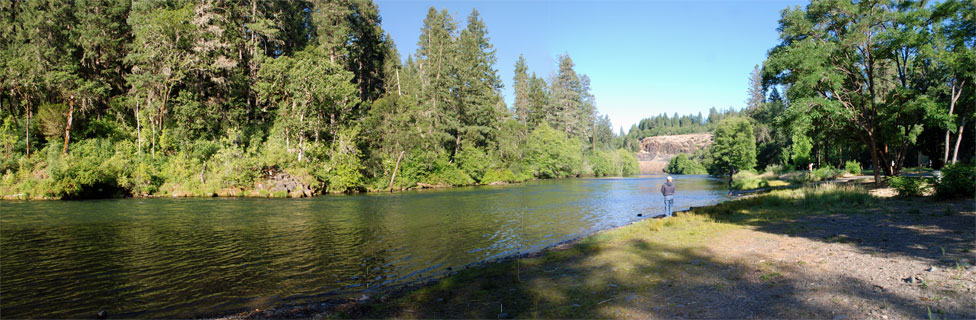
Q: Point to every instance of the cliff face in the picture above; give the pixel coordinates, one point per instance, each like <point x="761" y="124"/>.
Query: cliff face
<point x="657" y="151"/>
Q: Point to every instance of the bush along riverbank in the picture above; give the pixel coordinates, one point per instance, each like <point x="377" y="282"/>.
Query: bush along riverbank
<point x="105" y="168"/>
<point x="815" y="252"/>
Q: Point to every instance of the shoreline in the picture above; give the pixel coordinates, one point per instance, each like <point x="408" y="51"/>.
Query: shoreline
<point x="731" y="226"/>
<point x="264" y="194"/>
<point x="695" y="228"/>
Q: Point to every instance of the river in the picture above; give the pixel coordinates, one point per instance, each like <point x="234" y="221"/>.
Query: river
<point x="191" y="257"/>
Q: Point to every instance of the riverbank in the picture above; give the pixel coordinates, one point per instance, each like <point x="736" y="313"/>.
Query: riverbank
<point x="824" y="252"/>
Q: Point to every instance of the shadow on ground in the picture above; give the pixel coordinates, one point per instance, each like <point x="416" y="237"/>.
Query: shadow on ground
<point x="673" y="269"/>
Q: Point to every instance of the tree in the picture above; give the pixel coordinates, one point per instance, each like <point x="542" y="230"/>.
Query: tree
<point x="160" y="57"/>
<point x="436" y="71"/>
<point x="520" y="82"/>
<point x="733" y="148"/>
<point x="955" y="59"/>
<point x="479" y="93"/>
<point x="566" y="102"/>
<point x="833" y="69"/>
<point x="757" y="94"/>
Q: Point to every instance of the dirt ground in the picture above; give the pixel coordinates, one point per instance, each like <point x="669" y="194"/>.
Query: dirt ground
<point x="917" y="263"/>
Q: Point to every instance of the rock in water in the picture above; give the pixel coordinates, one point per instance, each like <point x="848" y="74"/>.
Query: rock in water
<point x="101" y="315"/>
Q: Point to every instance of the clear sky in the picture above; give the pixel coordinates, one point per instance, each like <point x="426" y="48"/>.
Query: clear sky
<point x="643" y="57"/>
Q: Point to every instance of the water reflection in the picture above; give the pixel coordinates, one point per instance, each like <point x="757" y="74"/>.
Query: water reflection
<point x="198" y="257"/>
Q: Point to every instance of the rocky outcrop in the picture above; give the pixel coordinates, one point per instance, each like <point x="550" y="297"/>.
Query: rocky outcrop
<point x="277" y="183"/>
<point x="657" y="151"/>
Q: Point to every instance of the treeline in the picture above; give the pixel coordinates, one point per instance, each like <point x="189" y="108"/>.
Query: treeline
<point x="880" y="84"/>
<point x="205" y="97"/>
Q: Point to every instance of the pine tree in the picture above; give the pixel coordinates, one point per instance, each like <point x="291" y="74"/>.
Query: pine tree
<point x="478" y="94"/>
<point x="566" y="101"/>
<point x="521" y="85"/>
<point x="757" y="94"/>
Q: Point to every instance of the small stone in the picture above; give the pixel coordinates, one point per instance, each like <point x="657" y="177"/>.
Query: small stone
<point x="364" y="298"/>
<point x="630" y="297"/>
<point x="840" y="317"/>
<point x="101" y="315"/>
<point x="932" y="269"/>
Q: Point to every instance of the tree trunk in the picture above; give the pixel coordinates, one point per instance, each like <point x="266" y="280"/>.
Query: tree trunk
<point x="138" y="127"/>
<point x="67" y="127"/>
<point x="955" y="154"/>
<point x="28" y="128"/>
<point x="874" y="159"/>
<point x="952" y="106"/>
<point x="395" y="169"/>
<point x="457" y="146"/>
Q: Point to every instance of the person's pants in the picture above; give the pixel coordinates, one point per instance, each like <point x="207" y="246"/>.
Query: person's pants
<point x="669" y="204"/>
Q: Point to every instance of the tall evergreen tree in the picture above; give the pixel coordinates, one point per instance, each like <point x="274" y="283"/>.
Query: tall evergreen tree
<point x="520" y="83"/>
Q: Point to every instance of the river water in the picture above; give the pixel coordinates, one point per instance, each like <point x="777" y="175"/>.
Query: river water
<point x="177" y="258"/>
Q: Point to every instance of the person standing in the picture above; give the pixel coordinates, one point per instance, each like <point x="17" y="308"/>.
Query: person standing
<point x="667" y="189"/>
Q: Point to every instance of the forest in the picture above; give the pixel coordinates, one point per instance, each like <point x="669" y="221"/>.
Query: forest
<point x="881" y="85"/>
<point x="103" y="98"/>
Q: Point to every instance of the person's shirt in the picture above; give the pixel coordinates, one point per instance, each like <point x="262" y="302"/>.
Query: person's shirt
<point x="667" y="188"/>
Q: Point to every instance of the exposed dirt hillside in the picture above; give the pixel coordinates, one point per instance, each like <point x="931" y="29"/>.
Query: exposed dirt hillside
<point x="657" y="151"/>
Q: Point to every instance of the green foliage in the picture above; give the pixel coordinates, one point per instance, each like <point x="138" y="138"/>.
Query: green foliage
<point x="958" y="181"/>
<point x="602" y="164"/>
<point x="800" y="150"/>
<point x="8" y="138"/>
<point x="343" y="171"/>
<point x="733" y="148"/>
<point x="474" y="162"/>
<point x="852" y="167"/>
<point x="906" y="186"/>
<point x="776" y="169"/>
<point x="826" y="173"/>
<point x="682" y="164"/>
<point x="551" y="154"/>
<point x="747" y="180"/>
<point x="628" y="162"/>
<point x="166" y="98"/>
<point x="444" y="173"/>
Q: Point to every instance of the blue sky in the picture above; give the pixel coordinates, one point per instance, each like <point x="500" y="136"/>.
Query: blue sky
<point x="643" y="57"/>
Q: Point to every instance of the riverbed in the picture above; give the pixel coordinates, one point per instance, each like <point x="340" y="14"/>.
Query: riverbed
<point x="190" y="257"/>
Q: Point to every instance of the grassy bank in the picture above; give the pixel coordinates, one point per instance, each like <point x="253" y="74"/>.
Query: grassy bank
<point x="718" y="261"/>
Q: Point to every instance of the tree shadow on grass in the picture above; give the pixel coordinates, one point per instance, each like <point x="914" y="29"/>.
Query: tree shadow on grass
<point x="933" y="232"/>
<point x="641" y="279"/>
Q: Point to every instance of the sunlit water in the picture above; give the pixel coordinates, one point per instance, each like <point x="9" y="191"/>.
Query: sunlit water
<point x="204" y="257"/>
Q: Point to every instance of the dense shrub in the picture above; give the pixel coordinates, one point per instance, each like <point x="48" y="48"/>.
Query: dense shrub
<point x="906" y="186"/>
<point x="852" y="167"/>
<point x="628" y="162"/>
<point x="746" y="180"/>
<point x="602" y="164"/>
<point x="474" y="162"/>
<point x="85" y="172"/>
<point x="551" y="154"/>
<point x="776" y="169"/>
<point x="682" y="164"/>
<point x="958" y="181"/>
<point x="826" y="173"/>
